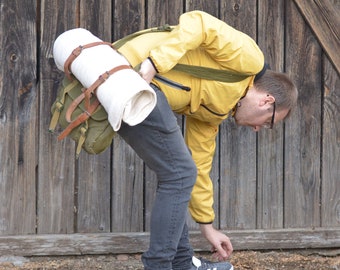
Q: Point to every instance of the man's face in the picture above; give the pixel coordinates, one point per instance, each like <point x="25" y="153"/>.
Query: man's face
<point x="256" y="110"/>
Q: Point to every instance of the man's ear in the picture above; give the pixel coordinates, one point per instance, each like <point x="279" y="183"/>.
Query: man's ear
<point x="266" y="99"/>
<point x="270" y="99"/>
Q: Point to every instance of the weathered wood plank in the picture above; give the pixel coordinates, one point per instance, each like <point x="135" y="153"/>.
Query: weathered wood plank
<point x="163" y="12"/>
<point x="330" y="204"/>
<point x="330" y="200"/>
<point x="323" y="17"/>
<point x="238" y="144"/>
<point x="302" y="130"/>
<point x="18" y="117"/>
<point x="127" y="168"/>
<point x="116" y="243"/>
<point x="128" y="17"/>
<point x="99" y="24"/>
<point x="273" y="239"/>
<point x="94" y="171"/>
<point x="55" y="185"/>
<point x="92" y="193"/>
<point x="167" y="13"/>
<point x="127" y="189"/>
<point x="211" y="7"/>
<point x="270" y="142"/>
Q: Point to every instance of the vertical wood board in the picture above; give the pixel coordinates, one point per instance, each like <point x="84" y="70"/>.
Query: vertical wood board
<point x="330" y="196"/>
<point x="19" y="118"/>
<point x="94" y="171"/>
<point x="56" y="160"/>
<point x="238" y="144"/>
<point x="127" y="168"/>
<point x="303" y="132"/>
<point x="270" y="142"/>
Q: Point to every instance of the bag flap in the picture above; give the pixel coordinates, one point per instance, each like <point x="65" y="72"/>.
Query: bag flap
<point x="99" y="115"/>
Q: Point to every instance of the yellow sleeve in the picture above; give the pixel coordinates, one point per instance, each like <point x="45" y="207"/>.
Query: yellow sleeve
<point x="229" y="47"/>
<point x="201" y="140"/>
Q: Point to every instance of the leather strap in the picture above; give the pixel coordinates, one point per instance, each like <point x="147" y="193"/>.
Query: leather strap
<point x="76" y="52"/>
<point x="59" y="105"/>
<point x="76" y="122"/>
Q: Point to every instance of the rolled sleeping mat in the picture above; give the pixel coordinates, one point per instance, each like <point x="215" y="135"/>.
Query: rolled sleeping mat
<point x="125" y="95"/>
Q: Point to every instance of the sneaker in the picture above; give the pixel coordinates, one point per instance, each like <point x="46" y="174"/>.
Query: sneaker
<point x="201" y="264"/>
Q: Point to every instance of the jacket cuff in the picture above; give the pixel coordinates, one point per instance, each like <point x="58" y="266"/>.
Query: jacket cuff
<point x="154" y="66"/>
<point x="204" y="222"/>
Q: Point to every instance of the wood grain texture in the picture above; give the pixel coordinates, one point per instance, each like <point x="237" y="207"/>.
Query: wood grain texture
<point x="127" y="191"/>
<point x="238" y="144"/>
<point x="117" y="243"/>
<point x="92" y="196"/>
<point x="330" y="197"/>
<point x="211" y="7"/>
<point x="330" y="200"/>
<point x="19" y="118"/>
<point x="270" y="149"/>
<point x="128" y="17"/>
<point x="323" y="18"/>
<point x="303" y="130"/>
<point x="55" y="187"/>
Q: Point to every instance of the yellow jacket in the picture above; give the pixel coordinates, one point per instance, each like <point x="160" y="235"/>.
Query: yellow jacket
<point x="202" y="40"/>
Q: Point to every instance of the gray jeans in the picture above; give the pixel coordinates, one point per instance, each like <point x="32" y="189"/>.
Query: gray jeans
<point x="159" y="142"/>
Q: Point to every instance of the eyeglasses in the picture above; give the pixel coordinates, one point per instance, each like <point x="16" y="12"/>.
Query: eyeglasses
<point x="273" y="117"/>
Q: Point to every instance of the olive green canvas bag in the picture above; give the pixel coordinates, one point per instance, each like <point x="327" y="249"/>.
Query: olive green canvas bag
<point x="93" y="135"/>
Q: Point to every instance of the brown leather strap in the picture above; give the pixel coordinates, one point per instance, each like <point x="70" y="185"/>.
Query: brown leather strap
<point x="74" y="105"/>
<point x="77" y="51"/>
<point x="87" y="93"/>
<point x="79" y="120"/>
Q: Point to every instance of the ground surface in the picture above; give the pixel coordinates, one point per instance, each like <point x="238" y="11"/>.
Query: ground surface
<point x="245" y="260"/>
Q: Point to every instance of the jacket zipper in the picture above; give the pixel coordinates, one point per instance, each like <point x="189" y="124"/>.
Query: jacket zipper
<point x="172" y="83"/>
<point x="215" y="113"/>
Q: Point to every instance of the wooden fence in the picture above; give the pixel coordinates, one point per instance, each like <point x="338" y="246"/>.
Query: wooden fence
<point x="274" y="189"/>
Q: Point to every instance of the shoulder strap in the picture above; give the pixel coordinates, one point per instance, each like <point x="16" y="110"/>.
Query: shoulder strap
<point x="196" y="71"/>
<point x="119" y="43"/>
<point x="211" y="73"/>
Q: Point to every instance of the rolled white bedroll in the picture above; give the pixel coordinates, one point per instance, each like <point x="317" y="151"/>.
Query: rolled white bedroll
<point x="125" y="95"/>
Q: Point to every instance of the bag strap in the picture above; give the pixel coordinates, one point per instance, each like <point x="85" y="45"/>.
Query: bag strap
<point x="196" y="71"/>
<point x="211" y="73"/>
<point x="59" y="105"/>
<point x="76" y="52"/>
<point x="119" y="43"/>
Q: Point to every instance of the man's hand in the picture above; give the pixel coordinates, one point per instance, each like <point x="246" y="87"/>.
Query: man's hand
<point x="147" y="70"/>
<point x="221" y="245"/>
